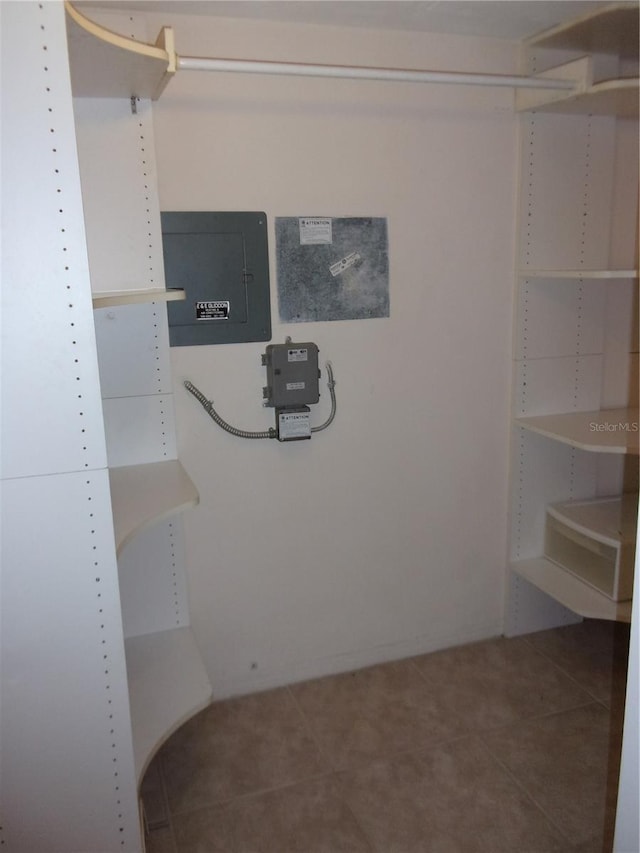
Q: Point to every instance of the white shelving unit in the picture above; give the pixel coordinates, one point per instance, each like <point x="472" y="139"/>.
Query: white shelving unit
<point x="602" y="431"/>
<point x="99" y="661"/>
<point x="575" y="371"/>
<point x="595" y="540"/>
<point x="105" y="64"/>
<point x="143" y="495"/>
<point x="610" y="97"/>
<point x="570" y="591"/>
<point x="612" y="30"/>
<point x="112" y="79"/>
<point x="109" y="299"/>
<point x="167" y="685"/>
<point x="579" y="274"/>
<point x="609" y="30"/>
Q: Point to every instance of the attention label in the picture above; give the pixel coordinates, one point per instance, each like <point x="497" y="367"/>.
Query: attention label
<point x="294" y="425"/>
<point x="213" y="310"/>
<point x="315" y="231"/>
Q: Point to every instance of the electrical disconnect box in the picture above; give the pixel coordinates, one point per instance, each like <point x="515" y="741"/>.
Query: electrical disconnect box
<point x="292" y="383"/>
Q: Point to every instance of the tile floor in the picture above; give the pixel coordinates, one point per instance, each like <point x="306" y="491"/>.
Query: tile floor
<point x="504" y="746"/>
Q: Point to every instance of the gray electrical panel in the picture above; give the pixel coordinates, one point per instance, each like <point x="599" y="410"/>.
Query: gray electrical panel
<point x="292" y="375"/>
<point x="221" y="261"/>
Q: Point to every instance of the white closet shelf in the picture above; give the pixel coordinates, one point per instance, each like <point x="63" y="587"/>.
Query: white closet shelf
<point x="610" y="520"/>
<point x="610" y="29"/>
<point x="168" y="684"/>
<point x="107" y="65"/>
<point x="609" y="97"/>
<point x="604" y="431"/>
<point x="110" y="298"/>
<point x="570" y="591"/>
<point x="579" y="274"/>
<point x="588" y="97"/>
<point x="143" y="495"/>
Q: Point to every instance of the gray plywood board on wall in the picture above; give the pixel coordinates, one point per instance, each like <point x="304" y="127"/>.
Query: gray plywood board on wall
<point x="332" y="268"/>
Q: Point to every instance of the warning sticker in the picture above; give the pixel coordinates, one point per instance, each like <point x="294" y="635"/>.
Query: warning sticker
<point x="213" y="310"/>
<point x="315" y="230"/>
<point x="352" y="259"/>
<point x="299" y="354"/>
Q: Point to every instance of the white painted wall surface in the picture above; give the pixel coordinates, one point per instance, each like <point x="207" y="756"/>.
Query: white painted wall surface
<point x="384" y="536"/>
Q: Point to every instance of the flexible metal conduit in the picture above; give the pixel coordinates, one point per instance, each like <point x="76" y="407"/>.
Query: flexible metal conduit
<point x="301" y="69"/>
<point x="331" y="384"/>
<point x="207" y="405"/>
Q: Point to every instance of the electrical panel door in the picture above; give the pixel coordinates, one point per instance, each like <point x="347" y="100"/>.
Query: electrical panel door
<point x="221" y="261"/>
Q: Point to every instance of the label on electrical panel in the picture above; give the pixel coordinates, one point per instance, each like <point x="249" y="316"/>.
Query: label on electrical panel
<point x="293" y="425"/>
<point x="296" y="386"/>
<point x="297" y="355"/>
<point x="212" y="310"/>
<point x="315" y="231"/>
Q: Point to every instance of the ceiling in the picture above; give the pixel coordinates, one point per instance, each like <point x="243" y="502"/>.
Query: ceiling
<point x="508" y="19"/>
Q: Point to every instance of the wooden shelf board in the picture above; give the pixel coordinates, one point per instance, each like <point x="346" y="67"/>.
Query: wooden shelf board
<point x="610" y="520"/>
<point x="570" y="591"/>
<point x="610" y="97"/>
<point x="143" y="495"/>
<point x="168" y="684"/>
<point x="599" y="432"/>
<point x="108" y="299"/>
<point x="105" y="64"/>
<point x="613" y="29"/>
<point x="579" y="274"/>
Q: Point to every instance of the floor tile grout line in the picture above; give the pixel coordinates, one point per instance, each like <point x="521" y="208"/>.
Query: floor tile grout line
<point x="309" y="728"/>
<point x="331" y="771"/>
<point x="370" y="843"/>
<point x="589" y="700"/>
<point x="223" y="804"/>
<point x="522" y="788"/>
<point x="548" y="658"/>
<point x="556" y="712"/>
<point x="165" y="797"/>
<point x="369" y="759"/>
<point x="258" y="792"/>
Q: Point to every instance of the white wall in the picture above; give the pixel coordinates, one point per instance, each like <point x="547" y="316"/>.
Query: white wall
<point x="385" y="535"/>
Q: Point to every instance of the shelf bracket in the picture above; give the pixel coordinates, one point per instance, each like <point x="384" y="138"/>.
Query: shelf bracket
<point x="579" y="72"/>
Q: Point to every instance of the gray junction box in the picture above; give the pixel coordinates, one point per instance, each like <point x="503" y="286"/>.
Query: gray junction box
<point x="292" y="375"/>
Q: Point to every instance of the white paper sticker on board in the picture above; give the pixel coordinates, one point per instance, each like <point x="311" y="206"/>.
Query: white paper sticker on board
<point x="315" y="230"/>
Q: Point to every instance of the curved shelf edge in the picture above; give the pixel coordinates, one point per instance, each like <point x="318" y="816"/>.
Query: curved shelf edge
<point x="105" y="64"/>
<point x="570" y="591"/>
<point x="610" y="97"/>
<point x="617" y="97"/>
<point x="108" y="299"/>
<point x="168" y="684"/>
<point x="609" y="29"/>
<point x="143" y="495"/>
<point x="611" y="519"/>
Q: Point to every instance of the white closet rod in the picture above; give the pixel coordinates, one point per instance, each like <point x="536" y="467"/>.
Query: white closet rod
<point x="246" y="66"/>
